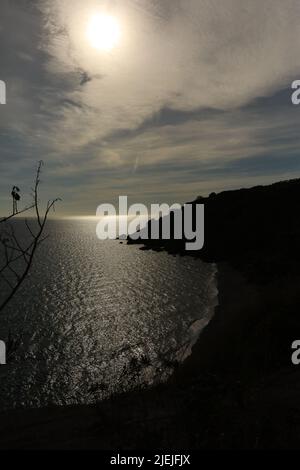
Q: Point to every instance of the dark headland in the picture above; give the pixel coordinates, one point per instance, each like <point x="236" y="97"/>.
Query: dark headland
<point x="239" y="388"/>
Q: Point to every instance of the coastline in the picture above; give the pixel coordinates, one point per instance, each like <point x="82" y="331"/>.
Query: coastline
<point x="218" y="398"/>
<point x="199" y="325"/>
<point x="225" y="329"/>
<point x="57" y="427"/>
<point x="238" y="389"/>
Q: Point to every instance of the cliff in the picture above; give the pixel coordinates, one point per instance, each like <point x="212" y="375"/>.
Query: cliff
<point x="239" y="389"/>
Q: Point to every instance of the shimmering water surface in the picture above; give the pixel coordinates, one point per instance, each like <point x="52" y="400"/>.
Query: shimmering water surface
<point x="96" y="318"/>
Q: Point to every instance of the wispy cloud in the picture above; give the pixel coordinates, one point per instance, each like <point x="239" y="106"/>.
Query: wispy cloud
<point x="96" y="115"/>
<point x="184" y="55"/>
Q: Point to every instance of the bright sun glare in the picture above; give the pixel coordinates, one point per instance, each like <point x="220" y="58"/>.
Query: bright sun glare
<point x="103" y="32"/>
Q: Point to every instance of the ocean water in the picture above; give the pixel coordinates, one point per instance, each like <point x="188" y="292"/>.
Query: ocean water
<point x="95" y="318"/>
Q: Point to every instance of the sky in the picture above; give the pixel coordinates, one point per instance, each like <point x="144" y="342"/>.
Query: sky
<point x="195" y="97"/>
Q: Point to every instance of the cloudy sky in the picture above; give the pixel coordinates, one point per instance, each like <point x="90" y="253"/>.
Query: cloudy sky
<point x="194" y="97"/>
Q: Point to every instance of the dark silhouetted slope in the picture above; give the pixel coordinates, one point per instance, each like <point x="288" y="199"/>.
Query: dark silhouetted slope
<point x="256" y="230"/>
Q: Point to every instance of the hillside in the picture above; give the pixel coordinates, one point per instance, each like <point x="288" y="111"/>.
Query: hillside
<point x="239" y="388"/>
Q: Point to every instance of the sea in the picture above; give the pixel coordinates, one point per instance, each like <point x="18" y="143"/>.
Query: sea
<point x="98" y="318"/>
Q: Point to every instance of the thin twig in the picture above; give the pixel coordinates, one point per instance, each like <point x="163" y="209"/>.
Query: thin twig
<point x="14" y="252"/>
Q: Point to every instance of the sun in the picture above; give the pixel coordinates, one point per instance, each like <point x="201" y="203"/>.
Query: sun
<point x="103" y="32"/>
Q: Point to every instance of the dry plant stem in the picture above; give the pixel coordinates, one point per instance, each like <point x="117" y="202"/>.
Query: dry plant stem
<point x="12" y="246"/>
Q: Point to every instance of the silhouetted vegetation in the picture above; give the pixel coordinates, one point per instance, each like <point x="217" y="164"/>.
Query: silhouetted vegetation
<point x="18" y="247"/>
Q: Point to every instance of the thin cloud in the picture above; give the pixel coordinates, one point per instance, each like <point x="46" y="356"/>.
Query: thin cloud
<point x="195" y="54"/>
<point x="172" y="108"/>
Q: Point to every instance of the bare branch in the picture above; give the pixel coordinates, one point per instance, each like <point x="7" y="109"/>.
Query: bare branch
<point x="36" y="189"/>
<point x="11" y="216"/>
<point x="17" y="258"/>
